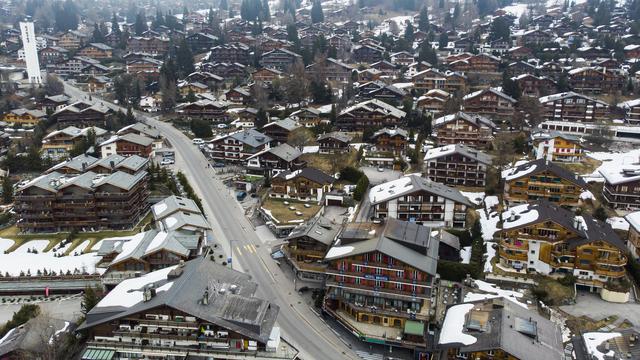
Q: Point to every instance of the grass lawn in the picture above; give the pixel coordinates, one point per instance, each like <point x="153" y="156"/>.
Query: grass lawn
<point x="556" y="292"/>
<point x="587" y="166"/>
<point x="331" y="163"/>
<point x="283" y="214"/>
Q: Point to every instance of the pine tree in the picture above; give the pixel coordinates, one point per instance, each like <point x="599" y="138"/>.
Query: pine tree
<point x="158" y="20"/>
<point x="184" y="59"/>
<point x="115" y="27"/>
<point x="89" y="300"/>
<point x="423" y="21"/>
<point x="7" y="190"/>
<point x="408" y="33"/>
<point x="140" y="26"/>
<point x="97" y="35"/>
<point x="223" y="5"/>
<point x="317" y="14"/>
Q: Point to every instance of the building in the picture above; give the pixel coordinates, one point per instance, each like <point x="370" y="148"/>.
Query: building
<point x="96" y="51"/>
<point x="334" y="143"/>
<point x="59" y="143"/>
<point x="433" y="102"/>
<point x="416" y="199"/>
<point x="392" y="141"/>
<point x="307" y="184"/>
<point x="230" y="53"/>
<point x="498" y="328"/>
<point x="633" y="241"/>
<point x="547" y="239"/>
<point x="543" y="179"/>
<point x="631" y="110"/>
<point x="82" y="114"/>
<point x="491" y="103"/>
<point x="370" y="113"/>
<point x="273" y="161"/>
<point x="615" y="344"/>
<point x="30" y="52"/>
<point x="154" y="46"/>
<point x="430" y="79"/>
<point x="279" y="130"/>
<point x="176" y="213"/>
<point x="196" y="308"/>
<point x="24" y="117"/>
<point x="307" y="244"/>
<point x="146" y="68"/>
<point x="201" y="42"/>
<point x="535" y="86"/>
<point x="203" y="109"/>
<point x="573" y="107"/>
<point x="53" y="103"/>
<point x="556" y="146"/>
<point x="127" y="145"/>
<point x="462" y="128"/>
<point x="379" y="280"/>
<point x="279" y="59"/>
<point x="367" y="53"/>
<point x="331" y="70"/>
<point x="238" y="146"/>
<point x="30" y="340"/>
<point x="622" y="186"/>
<point x="595" y="80"/>
<point x="457" y="165"/>
<point x="89" y="201"/>
<point x="53" y="54"/>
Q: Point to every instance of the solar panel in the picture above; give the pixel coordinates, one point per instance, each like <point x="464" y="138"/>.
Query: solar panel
<point x="526" y="327"/>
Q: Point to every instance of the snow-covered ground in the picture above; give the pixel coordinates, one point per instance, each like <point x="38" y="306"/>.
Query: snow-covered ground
<point x="474" y="197"/>
<point x="516" y="9"/>
<point x="490" y="291"/>
<point x="611" y="162"/>
<point x="23" y="259"/>
<point x="399" y="20"/>
<point x="465" y="254"/>
<point x="489" y="224"/>
<point x="491" y="253"/>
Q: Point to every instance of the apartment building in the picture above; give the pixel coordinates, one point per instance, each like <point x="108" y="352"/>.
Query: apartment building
<point x="535" y="86"/>
<point x="596" y="80"/>
<point x="391" y="140"/>
<point x="491" y="103"/>
<point x="145" y="68"/>
<point x="331" y="70"/>
<point x="497" y="328"/>
<point x="573" y="107"/>
<point x="88" y="201"/>
<point x="370" y="113"/>
<point x="307" y="184"/>
<point x="543" y="179"/>
<point x="379" y="280"/>
<point x="432" y="102"/>
<point x="58" y="143"/>
<point x="230" y="53"/>
<point x="203" y="109"/>
<point x="82" y="114"/>
<point x="280" y="59"/>
<point x="556" y="146"/>
<point x="127" y="145"/>
<point x="462" y="128"/>
<point x="196" y="308"/>
<point x="273" y="161"/>
<point x="238" y="146"/>
<point x="96" y="51"/>
<point x="621" y="189"/>
<point x="334" y="143"/>
<point x="429" y="79"/>
<point x="24" y="117"/>
<point x="416" y="199"/>
<point x="547" y="239"/>
<point x="279" y="130"/>
<point x="155" y="46"/>
<point x="457" y="165"/>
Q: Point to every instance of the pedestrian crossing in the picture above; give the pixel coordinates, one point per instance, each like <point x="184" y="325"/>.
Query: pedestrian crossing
<point x="368" y="356"/>
<point x="248" y="249"/>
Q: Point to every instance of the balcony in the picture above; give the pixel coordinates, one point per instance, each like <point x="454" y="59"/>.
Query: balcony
<point x="613" y="260"/>
<point x="379" y="291"/>
<point x="401" y="313"/>
<point x="600" y="270"/>
<point x="509" y="244"/>
<point x="514" y="256"/>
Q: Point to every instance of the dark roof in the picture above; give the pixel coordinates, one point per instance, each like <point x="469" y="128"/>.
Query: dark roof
<point x="310" y="173"/>
<point x="542" y="165"/>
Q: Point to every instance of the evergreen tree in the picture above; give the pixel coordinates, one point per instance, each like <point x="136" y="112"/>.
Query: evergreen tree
<point x="261" y="118"/>
<point x="97" y="35"/>
<point x="510" y="87"/>
<point x="500" y="29"/>
<point x="223" y="5"/>
<point x="184" y="59"/>
<point x="7" y="190"/>
<point x="423" y="21"/>
<point x="158" y="20"/>
<point x="140" y="26"/>
<point x="408" y="33"/>
<point x="266" y="12"/>
<point x="115" y="27"/>
<point x="89" y="300"/>
<point x="317" y="14"/>
<point x="443" y="40"/>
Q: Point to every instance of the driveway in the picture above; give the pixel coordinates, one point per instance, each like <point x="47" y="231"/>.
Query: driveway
<point x="593" y="306"/>
<point x="378" y="177"/>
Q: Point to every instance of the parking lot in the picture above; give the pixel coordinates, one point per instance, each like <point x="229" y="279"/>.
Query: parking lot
<point x="378" y="177"/>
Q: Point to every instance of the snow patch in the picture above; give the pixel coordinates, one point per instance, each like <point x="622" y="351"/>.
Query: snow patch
<point x="618" y="223"/>
<point x="465" y="254"/>
<point x="593" y="339"/>
<point x="129" y="292"/>
<point x="338" y="251"/>
<point x="453" y="326"/>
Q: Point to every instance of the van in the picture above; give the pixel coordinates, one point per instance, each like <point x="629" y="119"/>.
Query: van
<point x="197" y="141"/>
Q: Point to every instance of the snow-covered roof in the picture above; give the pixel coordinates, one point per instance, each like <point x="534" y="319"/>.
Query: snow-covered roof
<point x="413" y="183"/>
<point x="454" y="324"/>
<point x="594" y="339"/>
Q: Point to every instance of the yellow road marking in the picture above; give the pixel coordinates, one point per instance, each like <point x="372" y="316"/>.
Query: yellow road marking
<point x="238" y="251"/>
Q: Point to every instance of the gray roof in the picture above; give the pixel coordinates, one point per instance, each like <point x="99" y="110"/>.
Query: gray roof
<point x="411" y="184"/>
<point x="391" y="132"/>
<point x="471" y="118"/>
<point x="236" y="310"/>
<point x="340" y="136"/>
<point x="136" y="139"/>
<point x="320" y="229"/>
<point x="142" y="128"/>
<point x="149" y="242"/>
<point x="78" y="163"/>
<point x="251" y="137"/>
<point x="29" y="337"/>
<point x="133" y="162"/>
<point x="173" y="204"/>
<point x="287" y="124"/>
<point x="120" y="179"/>
<point x="502" y="324"/>
<point x="183" y="220"/>
<point x="542" y="165"/>
<point x="411" y="243"/>
<point x="285" y="152"/>
<point x="461" y="149"/>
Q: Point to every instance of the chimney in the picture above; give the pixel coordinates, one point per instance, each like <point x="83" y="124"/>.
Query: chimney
<point x="113" y="164"/>
<point x="205" y="296"/>
<point x="577" y="224"/>
<point x="512" y="217"/>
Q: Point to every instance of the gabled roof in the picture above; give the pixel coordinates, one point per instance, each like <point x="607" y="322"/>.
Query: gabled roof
<point x="309" y="173"/>
<point x="491" y="90"/>
<point x="182" y="287"/>
<point x="571" y="94"/>
<point x="337" y="135"/>
<point x="287" y="124"/>
<point x="477" y="120"/>
<point x="142" y="128"/>
<point x="541" y="165"/>
<point x="391" y="132"/>
<point x="410" y="184"/>
<point x="320" y="229"/>
<point x="172" y="204"/>
<point x="461" y="149"/>
<point x="375" y="105"/>
<point x="251" y="137"/>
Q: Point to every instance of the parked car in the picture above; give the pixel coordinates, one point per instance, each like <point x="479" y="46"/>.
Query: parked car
<point x="167" y="161"/>
<point x="222" y="126"/>
<point x="218" y="165"/>
<point x="241" y="195"/>
<point x="197" y="141"/>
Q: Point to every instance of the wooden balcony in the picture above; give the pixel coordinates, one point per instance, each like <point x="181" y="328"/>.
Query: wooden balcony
<point x="514" y="256"/>
<point x="399" y="313"/>
<point x="608" y="272"/>
<point x="507" y="244"/>
<point x="379" y="291"/>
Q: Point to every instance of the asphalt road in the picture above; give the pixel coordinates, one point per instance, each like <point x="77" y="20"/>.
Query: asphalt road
<point x="300" y="326"/>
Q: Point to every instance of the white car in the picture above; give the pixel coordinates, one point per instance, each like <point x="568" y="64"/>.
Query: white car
<point x="222" y="126"/>
<point x="197" y="141"/>
<point x="167" y="162"/>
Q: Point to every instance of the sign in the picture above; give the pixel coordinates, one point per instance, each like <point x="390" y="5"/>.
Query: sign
<point x="376" y="277"/>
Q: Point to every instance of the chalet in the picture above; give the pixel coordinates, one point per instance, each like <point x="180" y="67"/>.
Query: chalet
<point x="82" y="114"/>
<point x="127" y="145"/>
<point x="621" y="343"/>
<point x="429" y="79"/>
<point x="379" y="280"/>
<point x="71" y="40"/>
<point x="543" y="179"/>
<point x="490" y="103"/>
<point x="457" y="165"/>
<point x="200" y="42"/>
<point x="150" y="45"/>
<point x="266" y="75"/>
<point x="96" y="51"/>
<point x="367" y="53"/>
<point x="24" y="117"/>
<point x="280" y="59"/>
<point x="416" y="199"/>
<point x="204" y="77"/>
<point x="535" y="37"/>
<point x="141" y="129"/>
<point x="461" y="128"/>
<point x="544" y="238"/>
<point x="595" y="81"/>
<point x="307" y="117"/>
<point x="331" y="70"/>
<point x="334" y="143"/>
<point x="58" y="143"/>
<point x="392" y="141"/>
<point x="203" y="109"/>
<point x="573" y="107"/>
<point x="306" y="184"/>
<point x="73" y="66"/>
<point x="53" y="103"/>
<point x="238" y="146"/>
<point x="633" y="241"/>
<point x="433" y="101"/>
<point x="381" y="91"/>
<point x="386" y="68"/>
<point x="520" y="68"/>
<point x="238" y="96"/>
<point x="185" y="88"/>
<point x="534" y="86"/>
<point x="273" y="161"/>
<point x="279" y="130"/>
<point x="632" y="52"/>
<point x="631" y="110"/>
<point x="146" y="69"/>
<point x="519" y="53"/>
<point x="556" y="146"/>
<point x="402" y="58"/>
<point x="460" y="338"/>
<point x="369" y="113"/>
<point x="621" y="186"/>
<point x="53" y="55"/>
<point x="230" y="53"/>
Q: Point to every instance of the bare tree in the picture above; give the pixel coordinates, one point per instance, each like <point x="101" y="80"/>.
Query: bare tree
<point x="300" y="137"/>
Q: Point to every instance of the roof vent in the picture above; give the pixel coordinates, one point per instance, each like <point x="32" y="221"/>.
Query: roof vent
<point x="205" y="296"/>
<point x="149" y="293"/>
<point x="233" y="289"/>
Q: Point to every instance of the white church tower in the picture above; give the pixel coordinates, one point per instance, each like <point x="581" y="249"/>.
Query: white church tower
<point x="30" y="52"/>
